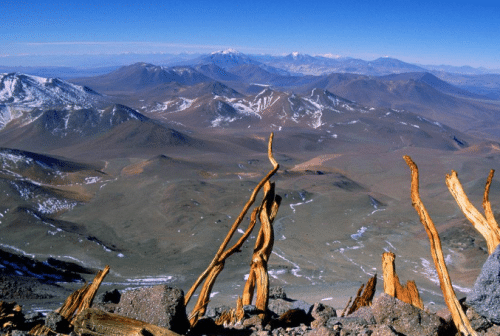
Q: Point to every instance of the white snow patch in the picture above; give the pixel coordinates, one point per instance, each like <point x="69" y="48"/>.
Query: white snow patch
<point x="359" y="233"/>
<point x="292" y="206"/>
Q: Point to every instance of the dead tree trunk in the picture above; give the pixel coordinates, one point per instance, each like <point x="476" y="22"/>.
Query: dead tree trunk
<point x="459" y="318"/>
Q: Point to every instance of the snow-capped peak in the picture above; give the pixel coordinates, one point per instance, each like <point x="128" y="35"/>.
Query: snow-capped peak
<point x="16" y="88"/>
<point x="296" y="56"/>
<point x="229" y="51"/>
<point x="23" y="93"/>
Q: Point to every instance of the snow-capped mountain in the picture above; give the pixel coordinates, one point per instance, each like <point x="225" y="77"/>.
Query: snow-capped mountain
<point x="227" y="59"/>
<point x="20" y="93"/>
<point x="270" y="106"/>
<point x="231" y="59"/>
<point x="318" y="110"/>
<point x="50" y="113"/>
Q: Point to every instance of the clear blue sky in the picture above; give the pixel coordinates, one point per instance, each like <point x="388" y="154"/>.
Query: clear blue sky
<point x="426" y="32"/>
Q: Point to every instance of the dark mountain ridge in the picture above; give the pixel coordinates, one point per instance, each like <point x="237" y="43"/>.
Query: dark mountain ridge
<point x="141" y="76"/>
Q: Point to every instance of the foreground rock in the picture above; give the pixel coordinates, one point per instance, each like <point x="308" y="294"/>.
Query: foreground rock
<point x="485" y="296"/>
<point x="159" y="305"/>
<point x="159" y="309"/>
<point x="387" y="316"/>
<point x="405" y="318"/>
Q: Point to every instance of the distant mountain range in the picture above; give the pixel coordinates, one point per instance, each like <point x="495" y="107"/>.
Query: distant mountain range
<point x="45" y="113"/>
<point x="230" y="74"/>
<point x="144" y="105"/>
<point x="481" y="81"/>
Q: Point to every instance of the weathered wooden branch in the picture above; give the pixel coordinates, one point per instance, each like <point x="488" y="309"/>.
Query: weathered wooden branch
<point x="487" y="205"/>
<point x="365" y="299"/>
<point x="78" y="301"/>
<point x="239" y="313"/>
<point x="407" y="293"/>
<point x="217" y="264"/>
<point x="488" y="226"/>
<point x="459" y="318"/>
<point x="94" y="322"/>
<point x="71" y="308"/>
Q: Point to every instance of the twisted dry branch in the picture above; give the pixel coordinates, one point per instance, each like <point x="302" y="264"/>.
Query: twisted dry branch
<point x="459" y="318"/>
<point x="258" y="276"/>
<point x="217" y="263"/>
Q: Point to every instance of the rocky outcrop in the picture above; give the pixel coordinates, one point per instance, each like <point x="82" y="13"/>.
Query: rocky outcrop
<point x="485" y="296"/>
<point x="405" y="318"/>
<point x="159" y="305"/>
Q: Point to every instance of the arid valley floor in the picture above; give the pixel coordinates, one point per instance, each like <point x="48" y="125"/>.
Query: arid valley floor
<point x="154" y="193"/>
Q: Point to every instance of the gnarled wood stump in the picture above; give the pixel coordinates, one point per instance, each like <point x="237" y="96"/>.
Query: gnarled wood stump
<point x="363" y="298"/>
<point x="407" y="293"/>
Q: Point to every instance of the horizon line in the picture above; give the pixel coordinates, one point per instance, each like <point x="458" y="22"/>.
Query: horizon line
<point x="213" y="48"/>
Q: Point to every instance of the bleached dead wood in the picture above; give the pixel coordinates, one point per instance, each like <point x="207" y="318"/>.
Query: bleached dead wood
<point x="217" y="264"/>
<point x="73" y="306"/>
<point x="363" y="298"/>
<point x="407" y="293"/>
<point x="487" y="226"/>
<point x="459" y="318"/>
<point x="94" y="322"/>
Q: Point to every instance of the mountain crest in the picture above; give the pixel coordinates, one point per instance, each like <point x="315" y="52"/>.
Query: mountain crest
<point x="229" y="51"/>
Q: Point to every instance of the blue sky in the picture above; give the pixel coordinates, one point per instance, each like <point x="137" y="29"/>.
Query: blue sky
<point x="424" y="32"/>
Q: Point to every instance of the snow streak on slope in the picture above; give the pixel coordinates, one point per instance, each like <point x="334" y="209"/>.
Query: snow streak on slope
<point x="171" y="106"/>
<point x="257" y="105"/>
<point x="305" y="109"/>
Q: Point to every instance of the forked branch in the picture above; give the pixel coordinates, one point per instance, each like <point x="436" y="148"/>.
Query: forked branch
<point x="459" y="318"/>
<point x="487" y="227"/>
